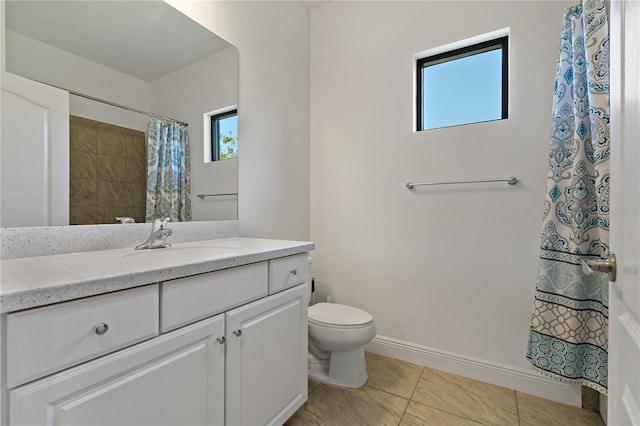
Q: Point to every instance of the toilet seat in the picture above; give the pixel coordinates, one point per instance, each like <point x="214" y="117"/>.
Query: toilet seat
<point x="339" y="316"/>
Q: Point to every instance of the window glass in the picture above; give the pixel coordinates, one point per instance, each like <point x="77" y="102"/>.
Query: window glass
<point x="224" y="135"/>
<point x="463" y="86"/>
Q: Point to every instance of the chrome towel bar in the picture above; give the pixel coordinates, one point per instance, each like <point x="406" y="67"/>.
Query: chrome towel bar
<point x="201" y="196"/>
<point x="511" y="180"/>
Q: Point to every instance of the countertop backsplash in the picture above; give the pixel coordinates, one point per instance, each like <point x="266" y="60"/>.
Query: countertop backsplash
<point x="47" y="240"/>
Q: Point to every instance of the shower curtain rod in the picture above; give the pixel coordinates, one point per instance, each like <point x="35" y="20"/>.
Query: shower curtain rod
<point x="93" y="98"/>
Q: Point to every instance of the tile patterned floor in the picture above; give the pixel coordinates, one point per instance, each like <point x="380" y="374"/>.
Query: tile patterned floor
<point x="403" y="394"/>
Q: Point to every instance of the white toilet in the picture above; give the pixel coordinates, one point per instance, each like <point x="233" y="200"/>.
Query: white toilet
<point x="337" y="335"/>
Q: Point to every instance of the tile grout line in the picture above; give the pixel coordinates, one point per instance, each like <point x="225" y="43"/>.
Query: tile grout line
<point x="417" y="383"/>
<point x="480" y="422"/>
<point x="424" y="369"/>
<point x="436" y="408"/>
<point x="404" y="412"/>
<point x="517" y="407"/>
<point x="410" y="399"/>
<point x="440" y="409"/>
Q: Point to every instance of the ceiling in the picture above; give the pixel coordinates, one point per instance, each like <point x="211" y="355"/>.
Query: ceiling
<point x="145" y="39"/>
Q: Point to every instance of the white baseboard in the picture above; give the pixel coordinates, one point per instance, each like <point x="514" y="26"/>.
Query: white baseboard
<point x="510" y="377"/>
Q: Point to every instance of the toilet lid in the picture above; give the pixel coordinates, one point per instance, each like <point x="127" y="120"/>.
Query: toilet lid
<point x="334" y="313"/>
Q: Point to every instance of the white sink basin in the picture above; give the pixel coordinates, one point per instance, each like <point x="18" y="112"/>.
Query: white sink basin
<point x="192" y="251"/>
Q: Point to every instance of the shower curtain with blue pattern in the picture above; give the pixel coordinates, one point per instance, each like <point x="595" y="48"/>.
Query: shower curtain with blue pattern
<point x="568" y="336"/>
<point x="168" y="172"/>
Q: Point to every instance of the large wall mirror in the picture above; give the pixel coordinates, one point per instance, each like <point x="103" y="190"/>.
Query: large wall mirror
<point x="140" y="57"/>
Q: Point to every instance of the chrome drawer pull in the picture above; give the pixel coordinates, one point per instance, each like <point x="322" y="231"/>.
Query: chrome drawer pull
<point x="221" y="340"/>
<point x="237" y="332"/>
<point x="101" y="328"/>
<point x="293" y="271"/>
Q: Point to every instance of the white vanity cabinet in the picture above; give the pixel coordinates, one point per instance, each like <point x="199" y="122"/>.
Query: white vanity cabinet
<point x="266" y="340"/>
<point x="174" y="379"/>
<point x="221" y="347"/>
<point x="266" y="359"/>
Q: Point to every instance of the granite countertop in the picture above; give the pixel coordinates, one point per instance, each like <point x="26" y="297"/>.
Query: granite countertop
<point x="38" y="281"/>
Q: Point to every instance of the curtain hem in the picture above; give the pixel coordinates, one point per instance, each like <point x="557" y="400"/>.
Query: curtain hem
<point x="555" y="357"/>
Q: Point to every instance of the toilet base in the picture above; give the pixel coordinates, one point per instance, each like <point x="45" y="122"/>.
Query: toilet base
<point x="347" y="369"/>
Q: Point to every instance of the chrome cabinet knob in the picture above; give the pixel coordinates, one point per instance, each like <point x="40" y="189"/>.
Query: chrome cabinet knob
<point x="607" y="266"/>
<point x="293" y="271"/>
<point x="221" y="340"/>
<point x="237" y="332"/>
<point x="101" y="328"/>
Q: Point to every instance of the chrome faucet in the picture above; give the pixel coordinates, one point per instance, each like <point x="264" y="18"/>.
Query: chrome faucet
<point x="159" y="235"/>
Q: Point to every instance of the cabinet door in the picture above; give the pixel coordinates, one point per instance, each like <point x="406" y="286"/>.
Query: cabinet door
<point x="266" y="360"/>
<point x="174" y="379"/>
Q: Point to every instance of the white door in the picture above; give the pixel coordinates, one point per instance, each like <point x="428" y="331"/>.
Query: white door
<point x="266" y="360"/>
<point x="624" y="294"/>
<point x="34" y="153"/>
<point x="174" y="379"/>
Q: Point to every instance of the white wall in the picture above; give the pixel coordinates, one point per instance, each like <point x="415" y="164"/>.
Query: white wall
<point x="273" y="133"/>
<point x="51" y="65"/>
<point x="187" y="94"/>
<point x="444" y="270"/>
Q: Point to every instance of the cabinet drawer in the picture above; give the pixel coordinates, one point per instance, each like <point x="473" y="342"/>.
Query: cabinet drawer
<point x="190" y="299"/>
<point x="48" y="339"/>
<point x="288" y="271"/>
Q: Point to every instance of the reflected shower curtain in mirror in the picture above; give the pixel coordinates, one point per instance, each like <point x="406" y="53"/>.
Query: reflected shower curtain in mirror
<point x="168" y="171"/>
<point x="568" y="337"/>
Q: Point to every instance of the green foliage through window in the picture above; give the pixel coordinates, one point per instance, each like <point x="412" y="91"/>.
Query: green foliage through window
<point x="224" y="136"/>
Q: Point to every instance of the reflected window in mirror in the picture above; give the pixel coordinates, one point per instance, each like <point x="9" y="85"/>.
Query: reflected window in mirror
<point x="224" y="135"/>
